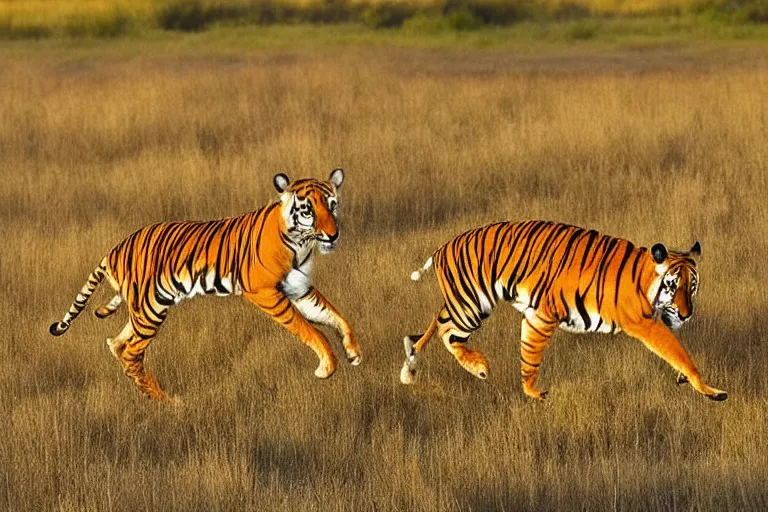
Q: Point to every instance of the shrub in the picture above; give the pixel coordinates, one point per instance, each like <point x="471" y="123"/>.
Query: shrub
<point x="26" y="31"/>
<point x="463" y="19"/>
<point x="569" y="11"/>
<point x="386" y="14"/>
<point x="268" y="12"/>
<point x="581" y="31"/>
<point x="186" y="15"/>
<point x="713" y="10"/>
<point x="114" y="24"/>
<point x="501" y="12"/>
<point x="329" y="11"/>
<point x="755" y="13"/>
<point x="425" y="24"/>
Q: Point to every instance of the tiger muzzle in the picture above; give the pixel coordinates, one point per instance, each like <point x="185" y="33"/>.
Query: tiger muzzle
<point x="328" y="242"/>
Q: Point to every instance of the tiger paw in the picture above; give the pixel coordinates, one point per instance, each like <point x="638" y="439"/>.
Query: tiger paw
<point x="531" y="392"/>
<point x="407" y="375"/>
<point x="353" y="350"/>
<point x="536" y="394"/>
<point x="354" y="358"/>
<point x="474" y="362"/>
<point x="325" y="369"/>
<point x="718" y="395"/>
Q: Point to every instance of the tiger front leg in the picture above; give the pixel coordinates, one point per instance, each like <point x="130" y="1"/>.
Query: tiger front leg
<point x="660" y="340"/>
<point x="535" y="335"/>
<point x="278" y="306"/>
<point x="316" y="308"/>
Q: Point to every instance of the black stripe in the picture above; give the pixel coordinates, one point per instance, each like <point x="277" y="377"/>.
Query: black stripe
<point x="637" y="260"/>
<point x="529" y="232"/>
<point x="261" y="230"/>
<point x="591" y="234"/>
<point x="565" y="305"/>
<point x="627" y="254"/>
<point x="535" y="329"/>
<point x="582" y="311"/>
<point x="522" y="358"/>
<point x="601" y="271"/>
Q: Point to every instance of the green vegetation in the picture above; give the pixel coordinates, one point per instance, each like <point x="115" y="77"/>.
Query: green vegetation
<point x="583" y="19"/>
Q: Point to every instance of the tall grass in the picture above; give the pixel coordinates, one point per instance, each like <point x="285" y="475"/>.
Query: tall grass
<point x="645" y="145"/>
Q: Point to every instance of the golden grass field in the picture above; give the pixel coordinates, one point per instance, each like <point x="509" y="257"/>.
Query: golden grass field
<point x="663" y="144"/>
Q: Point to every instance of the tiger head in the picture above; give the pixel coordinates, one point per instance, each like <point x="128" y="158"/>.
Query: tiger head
<point x="677" y="285"/>
<point x="309" y="208"/>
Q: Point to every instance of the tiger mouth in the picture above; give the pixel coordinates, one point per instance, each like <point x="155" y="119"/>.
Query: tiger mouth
<point x="326" y="246"/>
<point x="671" y="318"/>
<point x="327" y="243"/>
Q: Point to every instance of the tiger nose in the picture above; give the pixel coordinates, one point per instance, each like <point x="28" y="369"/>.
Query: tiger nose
<point x="332" y="238"/>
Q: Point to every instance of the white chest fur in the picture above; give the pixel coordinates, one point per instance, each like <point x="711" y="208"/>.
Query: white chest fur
<point x="297" y="283"/>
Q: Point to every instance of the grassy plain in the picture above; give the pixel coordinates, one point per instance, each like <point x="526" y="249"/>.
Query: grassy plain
<point x="662" y="144"/>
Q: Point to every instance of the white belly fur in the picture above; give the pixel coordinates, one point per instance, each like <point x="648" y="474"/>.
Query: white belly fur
<point x="574" y="323"/>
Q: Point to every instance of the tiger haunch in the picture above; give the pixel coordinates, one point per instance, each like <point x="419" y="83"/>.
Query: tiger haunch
<point x="563" y="276"/>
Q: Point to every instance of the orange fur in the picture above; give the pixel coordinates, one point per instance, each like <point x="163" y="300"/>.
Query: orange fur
<point x="560" y="275"/>
<point x="266" y="255"/>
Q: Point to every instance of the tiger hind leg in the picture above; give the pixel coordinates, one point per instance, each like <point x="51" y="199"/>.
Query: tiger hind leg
<point x="414" y="343"/>
<point x="534" y="337"/>
<point x="109" y="308"/>
<point x="128" y="348"/>
<point x="455" y="340"/>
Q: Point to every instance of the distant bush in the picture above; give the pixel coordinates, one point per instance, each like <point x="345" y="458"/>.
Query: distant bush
<point x="581" y="31"/>
<point x="426" y="24"/>
<point x="569" y="11"/>
<point x="113" y="24"/>
<point x="386" y="14"/>
<point x="503" y="12"/>
<point x="9" y="30"/>
<point x="197" y="15"/>
<point x="728" y="10"/>
<point x="268" y="12"/>
<point x="329" y="11"/>
<point x="463" y="19"/>
<point x="186" y="15"/>
<point x="754" y="13"/>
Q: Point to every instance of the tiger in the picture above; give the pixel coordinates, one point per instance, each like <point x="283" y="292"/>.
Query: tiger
<point x="559" y="275"/>
<point x="265" y="255"/>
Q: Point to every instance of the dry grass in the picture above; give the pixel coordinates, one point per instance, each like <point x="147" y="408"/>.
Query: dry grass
<point x="649" y="146"/>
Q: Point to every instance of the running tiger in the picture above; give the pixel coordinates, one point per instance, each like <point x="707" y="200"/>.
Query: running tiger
<point x="265" y="255"/>
<point x="560" y="275"/>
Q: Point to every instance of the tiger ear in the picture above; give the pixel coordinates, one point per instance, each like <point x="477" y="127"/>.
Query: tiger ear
<point x="281" y="182"/>
<point x="696" y="249"/>
<point x="659" y="253"/>
<point x="337" y="177"/>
